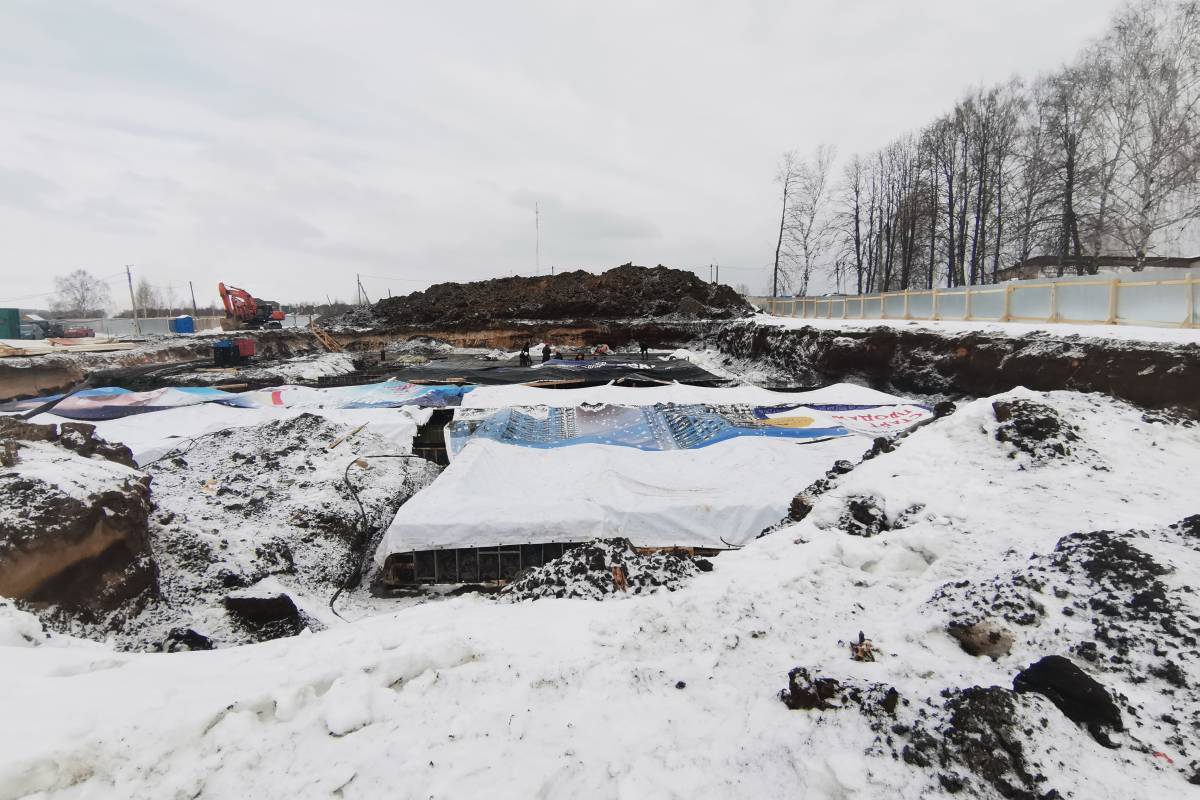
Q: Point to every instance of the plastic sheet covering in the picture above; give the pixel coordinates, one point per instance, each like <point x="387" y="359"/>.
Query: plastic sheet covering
<point x="114" y="402"/>
<point x="520" y="395"/>
<point x="660" y="427"/>
<point x="674" y="427"/>
<point x="726" y="494"/>
<point x="470" y="369"/>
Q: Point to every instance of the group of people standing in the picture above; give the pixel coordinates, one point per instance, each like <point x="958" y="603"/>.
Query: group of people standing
<point x="526" y="359"/>
<point x="547" y="353"/>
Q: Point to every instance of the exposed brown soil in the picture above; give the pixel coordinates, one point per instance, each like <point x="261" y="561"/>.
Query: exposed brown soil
<point x="89" y="553"/>
<point x="625" y="292"/>
<point x="1154" y="376"/>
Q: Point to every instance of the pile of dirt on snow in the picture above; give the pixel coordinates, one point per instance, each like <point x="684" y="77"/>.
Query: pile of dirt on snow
<point x="626" y="292"/>
<point x="248" y="514"/>
<point x="604" y="568"/>
<point x="1035" y="429"/>
<point x="982" y="741"/>
<point x="1115" y="602"/>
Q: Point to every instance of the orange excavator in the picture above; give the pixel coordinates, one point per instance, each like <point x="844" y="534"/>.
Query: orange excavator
<point x="243" y="311"/>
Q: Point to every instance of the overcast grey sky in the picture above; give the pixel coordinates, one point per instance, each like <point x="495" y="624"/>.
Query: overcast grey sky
<point x="285" y="146"/>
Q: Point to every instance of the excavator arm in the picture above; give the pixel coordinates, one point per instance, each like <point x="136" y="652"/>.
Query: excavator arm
<point x="239" y="303"/>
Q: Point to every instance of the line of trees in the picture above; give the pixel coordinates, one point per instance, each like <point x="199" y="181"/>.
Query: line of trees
<point x="1101" y="157"/>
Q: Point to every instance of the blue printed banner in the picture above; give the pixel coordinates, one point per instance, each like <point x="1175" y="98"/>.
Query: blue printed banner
<point x="660" y="427"/>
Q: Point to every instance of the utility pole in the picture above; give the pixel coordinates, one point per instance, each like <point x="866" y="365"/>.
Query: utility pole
<point x="195" y="313"/>
<point x="137" y="324"/>
<point x="357" y="290"/>
<point x="537" y="240"/>
<point x="718" y="280"/>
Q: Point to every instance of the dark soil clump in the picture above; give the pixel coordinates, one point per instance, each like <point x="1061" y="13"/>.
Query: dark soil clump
<point x="1077" y="694"/>
<point x="601" y="569"/>
<point x="1105" y="601"/>
<point x="1035" y="429"/>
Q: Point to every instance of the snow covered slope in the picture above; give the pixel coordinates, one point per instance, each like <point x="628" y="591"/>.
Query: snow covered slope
<point x="676" y="694"/>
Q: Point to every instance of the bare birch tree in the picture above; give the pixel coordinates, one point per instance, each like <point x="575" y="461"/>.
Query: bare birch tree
<point x="1156" y="49"/>
<point x="810" y="224"/>
<point x="787" y="175"/>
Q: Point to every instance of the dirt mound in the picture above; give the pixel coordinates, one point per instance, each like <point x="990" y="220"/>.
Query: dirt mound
<point x="259" y="511"/>
<point x="975" y="739"/>
<point x="1035" y="429"/>
<point x="78" y="437"/>
<point x="73" y="520"/>
<point x="601" y="569"/>
<point x="1105" y="599"/>
<point x="626" y="292"/>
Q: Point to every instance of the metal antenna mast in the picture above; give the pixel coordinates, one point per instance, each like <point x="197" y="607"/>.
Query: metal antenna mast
<point x="537" y="239"/>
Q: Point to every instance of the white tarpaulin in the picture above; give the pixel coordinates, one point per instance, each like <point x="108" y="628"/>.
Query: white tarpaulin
<point x="495" y="494"/>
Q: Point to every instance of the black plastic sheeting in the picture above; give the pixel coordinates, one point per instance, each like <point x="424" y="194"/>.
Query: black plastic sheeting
<point x="470" y="369"/>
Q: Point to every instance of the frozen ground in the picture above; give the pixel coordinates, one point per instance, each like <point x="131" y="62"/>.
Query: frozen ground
<point x="1129" y="333"/>
<point x="676" y="694"/>
<point x="248" y="500"/>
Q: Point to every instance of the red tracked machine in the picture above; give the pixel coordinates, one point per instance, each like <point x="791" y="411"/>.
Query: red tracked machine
<point x="243" y="311"/>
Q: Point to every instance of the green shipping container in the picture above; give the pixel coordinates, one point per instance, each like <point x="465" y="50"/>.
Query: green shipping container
<point x="10" y="323"/>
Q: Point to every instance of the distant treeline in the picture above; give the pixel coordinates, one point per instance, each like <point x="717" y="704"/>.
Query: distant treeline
<point x="1099" y="157"/>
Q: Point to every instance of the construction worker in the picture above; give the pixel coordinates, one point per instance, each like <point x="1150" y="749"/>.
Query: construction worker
<point x="645" y="349"/>
<point x="525" y="358"/>
<point x="545" y="353"/>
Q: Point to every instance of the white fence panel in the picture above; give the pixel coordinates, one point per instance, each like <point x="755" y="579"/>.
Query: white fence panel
<point x="1030" y="302"/>
<point x="952" y="304"/>
<point x="1155" y="297"/>
<point x="893" y="306"/>
<point x="1083" y="301"/>
<point x="920" y="305"/>
<point x="1152" y="303"/>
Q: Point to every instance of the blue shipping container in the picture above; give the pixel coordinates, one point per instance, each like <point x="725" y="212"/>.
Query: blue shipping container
<point x="182" y="324"/>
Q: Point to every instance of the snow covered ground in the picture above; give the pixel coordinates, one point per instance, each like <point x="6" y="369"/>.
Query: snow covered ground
<point x="151" y="435"/>
<point x="677" y="694"/>
<point x="1128" y="333"/>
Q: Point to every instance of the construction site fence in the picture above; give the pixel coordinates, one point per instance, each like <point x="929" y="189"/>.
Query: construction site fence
<point x="1160" y="298"/>
<point x="122" y="326"/>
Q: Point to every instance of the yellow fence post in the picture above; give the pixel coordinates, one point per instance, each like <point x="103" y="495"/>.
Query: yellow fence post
<point x="933" y="312"/>
<point x="1113" y="288"/>
<point x="967" y="302"/>
<point x="906" y="316"/>
<point x="1190" y="285"/>
<point x="1053" y="301"/>
<point x="1007" y="303"/>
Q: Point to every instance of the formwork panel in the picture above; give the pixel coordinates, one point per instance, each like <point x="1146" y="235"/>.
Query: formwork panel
<point x="468" y="565"/>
